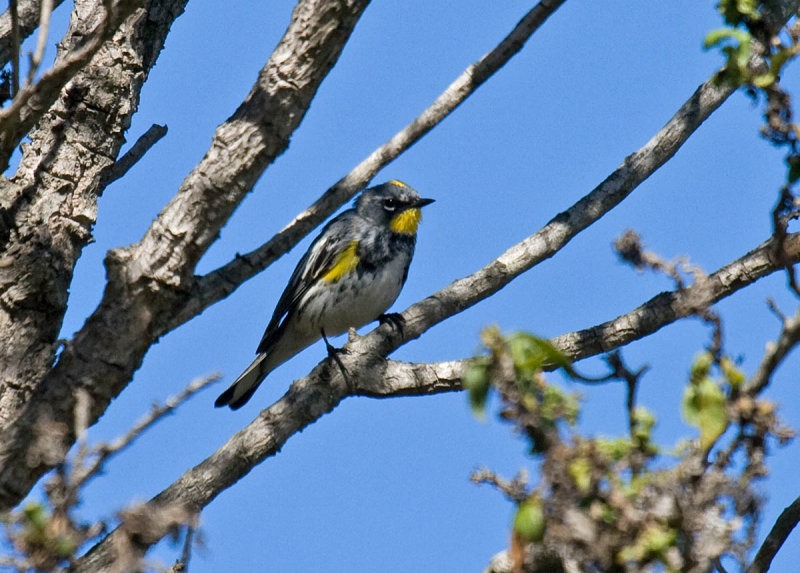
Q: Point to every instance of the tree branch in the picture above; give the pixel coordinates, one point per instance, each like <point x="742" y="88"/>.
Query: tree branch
<point x="776" y="351"/>
<point x="58" y="181"/>
<point x="122" y="165"/>
<point x="28" y="12"/>
<point x="371" y="374"/>
<point x="114" y="340"/>
<point x="41" y="41"/>
<point x="147" y="280"/>
<point x="783" y="526"/>
<point x="221" y="282"/>
<point x="33" y="100"/>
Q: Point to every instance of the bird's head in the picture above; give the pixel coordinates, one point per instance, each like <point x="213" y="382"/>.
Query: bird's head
<point x="393" y="204"/>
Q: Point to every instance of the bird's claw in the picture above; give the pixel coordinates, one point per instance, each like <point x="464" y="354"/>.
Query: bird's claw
<point x="395" y="319"/>
<point x="333" y="354"/>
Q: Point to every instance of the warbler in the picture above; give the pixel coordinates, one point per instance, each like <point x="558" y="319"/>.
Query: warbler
<point x="350" y="275"/>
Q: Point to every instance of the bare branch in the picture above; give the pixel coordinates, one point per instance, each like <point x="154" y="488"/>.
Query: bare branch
<point x="221" y="282"/>
<point x="41" y="41"/>
<point x="28" y="12"/>
<point x="776" y="351"/>
<point x="372" y="375"/>
<point x="33" y="100"/>
<point x="516" y="490"/>
<point x="122" y="165"/>
<point x="103" y="452"/>
<point x="780" y="531"/>
<point x="149" y="280"/>
<point x="15" y="47"/>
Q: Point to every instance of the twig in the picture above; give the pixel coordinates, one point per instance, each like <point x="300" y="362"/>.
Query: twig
<point x="104" y="451"/>
<point x="304" y="402"/>
<point x="719" y="566"/>
<point x="28" y="12"/>
<point x="41" y="41"/>
<point x="187" y="543"/>
<point x="631" y="250"/>
<point x="221" y="282"/>
<point x="780" y="531"/>
<point x="631" y="379"/>
<point x="122" y="165"/>
<point x="15" y="45"/>
<point x="774" y="355"/>
<point x="21" y="565"/>
<point x="516" y="490"/>
<point x="785" y="210"/>
<point x="773" y="306"/>
<point x="33" y="100"/>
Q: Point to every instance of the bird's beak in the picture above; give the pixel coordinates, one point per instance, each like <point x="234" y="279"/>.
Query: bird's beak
<point x="422" y="202"/>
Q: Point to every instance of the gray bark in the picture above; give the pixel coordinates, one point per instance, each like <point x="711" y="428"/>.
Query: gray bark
<point x="49" y="207"/>
<point x="148" y="281"/>
<point x="28" y="13"/>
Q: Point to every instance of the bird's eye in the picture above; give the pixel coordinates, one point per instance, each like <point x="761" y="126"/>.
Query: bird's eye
<point x="390" y="204"/>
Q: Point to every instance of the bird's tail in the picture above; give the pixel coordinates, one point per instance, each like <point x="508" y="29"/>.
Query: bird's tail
<point x="248" y="381"/>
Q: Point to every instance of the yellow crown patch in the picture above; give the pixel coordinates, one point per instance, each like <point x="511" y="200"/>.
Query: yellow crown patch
<point x="399" y="183"/>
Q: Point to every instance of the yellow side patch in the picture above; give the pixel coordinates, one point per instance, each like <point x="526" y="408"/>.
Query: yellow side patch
<point x="406" y="222"/>
<point x="398" y="183"/>
<point x="345" y="262"/>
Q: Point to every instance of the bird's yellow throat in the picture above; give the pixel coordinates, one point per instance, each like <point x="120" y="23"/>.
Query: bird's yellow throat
<point x="406" y="222"/>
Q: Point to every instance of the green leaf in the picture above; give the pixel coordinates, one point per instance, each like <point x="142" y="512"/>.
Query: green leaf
<point x="65" y="547"/>
<point x="529" y="521"/>
<point x="653" y="541"/>
<point x="36" y="515"/>
<point x="581" y="472"/>
<point x="476" y="381"/>
<point x="732" y="374"/>
<point x="720" y="35"/>
<point x="716" y="37"/>
<point x="764" y="80"/>
<point x="557" y="405"/>
<point x="533" y="353"/>
<point x="737" y="12"/>
<point x="700" y="367"/>
<point x="704" y="407"/>
<point x="615" y="449"/>
<point x="643" y="422"/>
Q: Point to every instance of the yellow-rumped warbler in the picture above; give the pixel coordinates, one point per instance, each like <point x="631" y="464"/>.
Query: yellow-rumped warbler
<point x="350" y="276"/>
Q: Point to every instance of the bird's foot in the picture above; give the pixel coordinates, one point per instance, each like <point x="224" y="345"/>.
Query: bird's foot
<point x="395" y="319"/>
<point x="333" y="354"/>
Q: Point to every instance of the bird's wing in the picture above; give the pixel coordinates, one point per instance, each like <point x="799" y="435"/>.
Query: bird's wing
<point x="321" y="257"/>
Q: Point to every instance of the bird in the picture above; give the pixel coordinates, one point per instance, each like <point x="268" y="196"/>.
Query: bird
<point x="350" y="276"/>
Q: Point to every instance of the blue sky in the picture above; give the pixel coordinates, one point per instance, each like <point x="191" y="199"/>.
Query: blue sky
<point x="384" y="485"/>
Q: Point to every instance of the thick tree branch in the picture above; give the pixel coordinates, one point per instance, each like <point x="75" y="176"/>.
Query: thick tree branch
<point x="221" y="282"/>
<point x="670" y="306"/>
<point x="28" y="12"/>
<point x="119" y="317"/>
<point x="245" y="145"/>
<point x="147" y="280"/>
<point x="50" y="205"/>
<point x="780" y="531"/>
<point x="371" y="374"/>
<point x="91" y="354"/>
<point x="48" y="208"/>
<point x="33" y="100"/>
